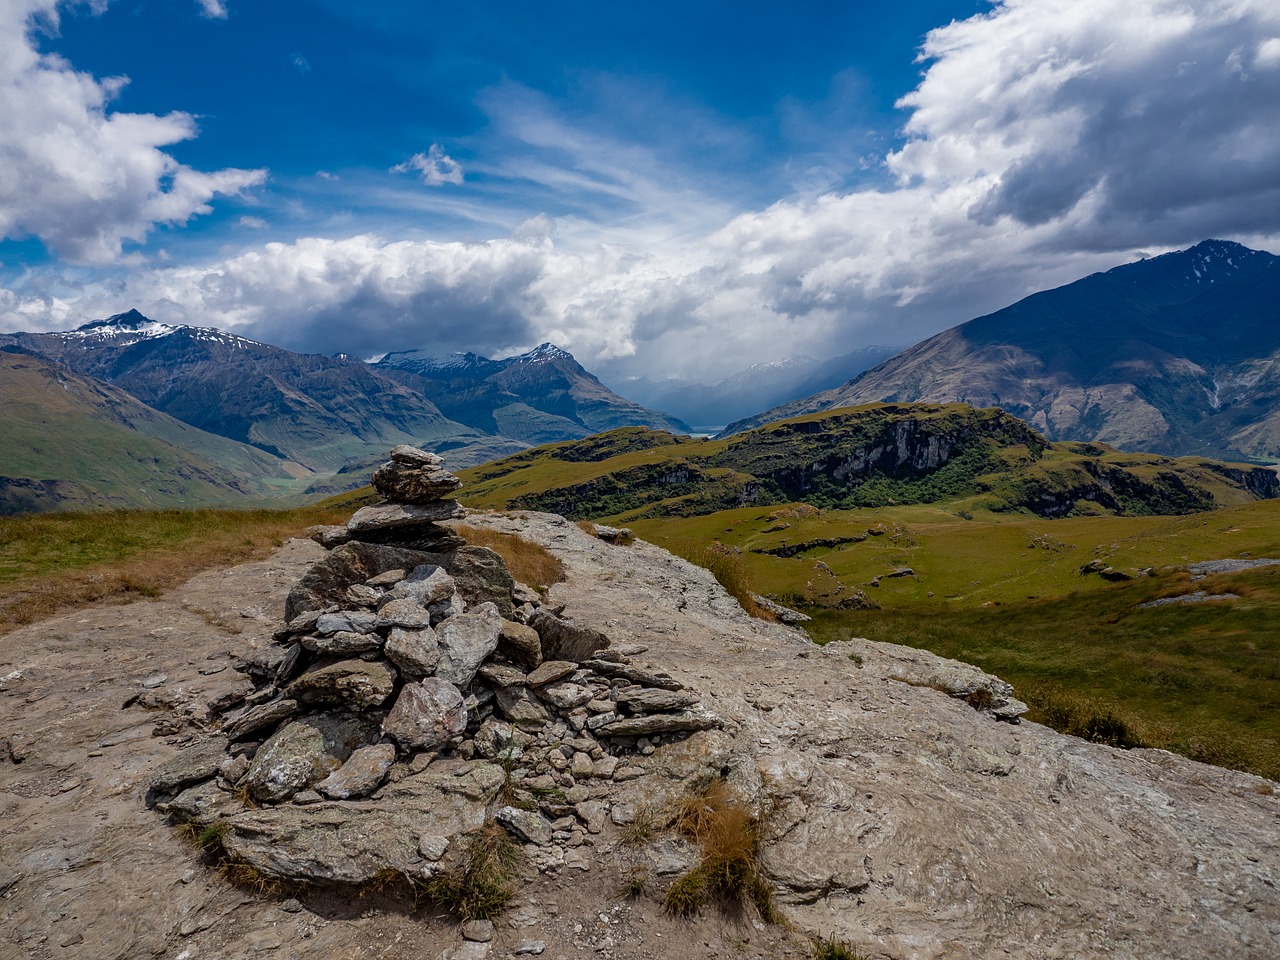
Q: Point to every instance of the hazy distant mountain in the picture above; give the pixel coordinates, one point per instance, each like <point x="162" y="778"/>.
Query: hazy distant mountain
<point x="73" y="442"/>
<point x="1178" y="354"/>
<point x="318" y="412"/>
<point x="537" y="397"/>
<point x="758" y="387"/>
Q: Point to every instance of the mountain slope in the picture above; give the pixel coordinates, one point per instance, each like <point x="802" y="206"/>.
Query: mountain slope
<point x="537" y="397"/>
<point x="874" y="455"/>
<point x="1178" y="354"/>
<point x="72" y="442"/>
<point x="319" y="412"/>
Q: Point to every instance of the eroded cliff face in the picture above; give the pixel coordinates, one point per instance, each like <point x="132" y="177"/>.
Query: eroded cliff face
<point x="898" y="818"/>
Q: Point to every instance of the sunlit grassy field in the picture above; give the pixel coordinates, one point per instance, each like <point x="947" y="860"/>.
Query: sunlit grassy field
<point x="1006" y="592"/>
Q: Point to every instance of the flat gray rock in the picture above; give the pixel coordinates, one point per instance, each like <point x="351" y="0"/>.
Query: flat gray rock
<point x="399" y="515"/>
<point x="350" y="621"/>
<point x="261" y="717"/>
<point x="426" y="584"/>
<point x="550" y="671"/>
<point x="526" y="825"/>
<point x="415" y="483"/>
<point x="354" y="683"/>
<point x="342" y="644"/>
<point x="363" y="773"/>
<point x="402" y="612"/>
<point x="197" y="762"/>
<point x="562" y="640"/>
<point x="685" y="721"/>
<point x="466" y="641"/>
<point x="656" y="701"/>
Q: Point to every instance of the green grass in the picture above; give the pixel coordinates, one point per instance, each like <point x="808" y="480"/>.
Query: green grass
<point x="1006" y="593"/>
<point x="484" y="883"/>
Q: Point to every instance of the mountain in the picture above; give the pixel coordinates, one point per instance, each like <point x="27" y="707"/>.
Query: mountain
<point x="537" y="397"/>
<point x="1178" y="354"/>
<point x="768" y="383"/>
<point x="71" y="442"/>
<point x="318" y="412"/>
<point x="869" y="456"/>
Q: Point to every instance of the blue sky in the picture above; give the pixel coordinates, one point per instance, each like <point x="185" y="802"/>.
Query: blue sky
<point x="664" y="189"/>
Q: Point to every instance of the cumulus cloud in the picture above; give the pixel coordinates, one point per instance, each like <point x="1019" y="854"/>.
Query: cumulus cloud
<point x="80" y="177"/>
<point x="1046" y="139"/>
<point x="436" y="167"/>
<point x="214" y="9"/>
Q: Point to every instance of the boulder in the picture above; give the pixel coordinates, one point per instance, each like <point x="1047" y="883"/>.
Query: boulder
<point x="304" y="752"/>
<point x="363" y="773"/>
<point x="402" y="482"/>
<point x="354" y="683"/>
<point x="426" y="715"/>
<point x="520" y="643"/>
<point x="466" y="641"/>
<point x="562" y="640"/>
<point x="415" y="652"/>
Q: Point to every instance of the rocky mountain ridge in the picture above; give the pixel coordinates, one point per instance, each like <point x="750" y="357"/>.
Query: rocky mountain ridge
<point x="897" y="817"/>
<point x="1174" y="355"/>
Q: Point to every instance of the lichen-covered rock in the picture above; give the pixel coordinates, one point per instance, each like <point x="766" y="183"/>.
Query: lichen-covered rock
<point x="354" y="683"/>
<point x="415" y="652"/>
<point x="465" y="642"/>
<point x="564" y="695"/>
<point x="527" y="825"/>
<point x="342" y="644"/>
<point x="521" y="707"/>
<point x="346" y="621"/>
<point x="304" y="752"/>
<point x="363" y="772"/>
<point x="426" y="715"/>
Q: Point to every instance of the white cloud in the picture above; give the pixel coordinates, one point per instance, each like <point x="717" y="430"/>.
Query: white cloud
<point x="75" y="174"/>
<point x="436" y="167"/>
<point x="214" y="9"/>
<point x="254" y="223"/>
<point x="1046" y="139"/>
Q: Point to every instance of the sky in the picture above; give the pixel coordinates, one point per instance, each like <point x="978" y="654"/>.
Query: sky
<point x="664" y="189"/>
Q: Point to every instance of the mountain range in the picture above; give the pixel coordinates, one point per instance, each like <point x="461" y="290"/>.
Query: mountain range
<point x="1177" y="354"/>
<point x="288" y="423"/>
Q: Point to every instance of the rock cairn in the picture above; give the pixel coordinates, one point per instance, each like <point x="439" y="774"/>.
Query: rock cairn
<point x="414" y="693"/>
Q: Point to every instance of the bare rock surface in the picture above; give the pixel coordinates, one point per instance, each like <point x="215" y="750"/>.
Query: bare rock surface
<point x="903" y="820"/>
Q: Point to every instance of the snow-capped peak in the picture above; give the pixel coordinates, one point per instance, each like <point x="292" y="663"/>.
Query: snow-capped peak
<point x="132" y="327"/>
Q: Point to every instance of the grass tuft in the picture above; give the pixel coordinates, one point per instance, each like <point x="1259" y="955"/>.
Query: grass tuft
<point x="833" y="949"/>
<point x="483" y="884"/>
<point x="729" y="567"/>
<point x="728" y="836"/>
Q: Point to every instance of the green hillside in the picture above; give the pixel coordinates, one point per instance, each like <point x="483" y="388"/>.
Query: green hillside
<point x="1035" y="561"/>
<point x="73" y="443"/>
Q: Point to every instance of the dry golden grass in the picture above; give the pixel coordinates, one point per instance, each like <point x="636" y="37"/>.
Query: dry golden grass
<point x="529" y="562"/>
<point x="730" y="568"/>
<point x="52" y="562"/>
<point x="728" y="836"/>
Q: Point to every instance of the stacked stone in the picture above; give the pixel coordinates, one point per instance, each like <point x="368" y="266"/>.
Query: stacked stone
<point x="402" y="648"/>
